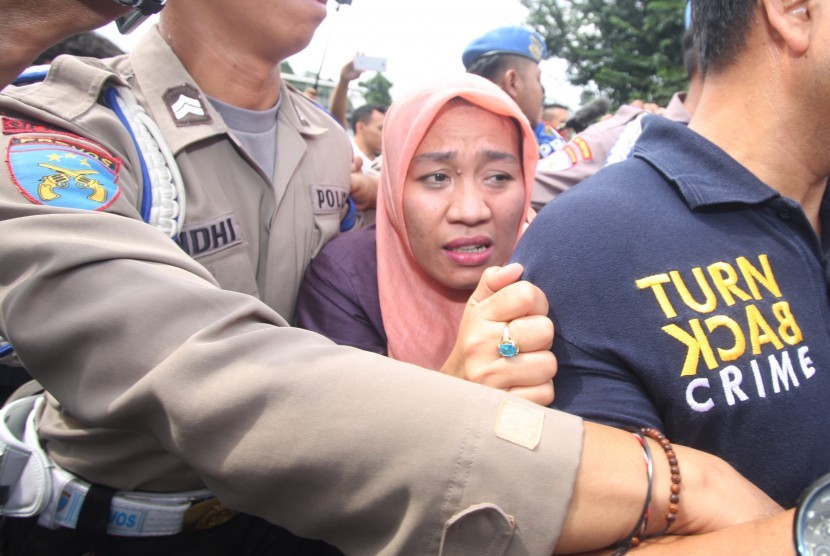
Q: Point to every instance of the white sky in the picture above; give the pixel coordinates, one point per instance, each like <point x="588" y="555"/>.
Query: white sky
<point x="421" y="40"/>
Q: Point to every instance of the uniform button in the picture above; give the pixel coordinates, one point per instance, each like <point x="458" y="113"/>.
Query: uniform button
<point x="785" y="216"/>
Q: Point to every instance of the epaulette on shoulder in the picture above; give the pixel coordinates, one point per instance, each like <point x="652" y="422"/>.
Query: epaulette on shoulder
<point x="314" y="103"/>
<point x="67" y="88"/>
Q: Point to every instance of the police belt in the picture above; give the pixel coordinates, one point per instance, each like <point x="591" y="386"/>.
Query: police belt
<point x="32" y="484"/>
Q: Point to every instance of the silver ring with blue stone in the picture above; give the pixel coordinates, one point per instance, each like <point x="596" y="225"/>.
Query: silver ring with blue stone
<point x="508" y="347"/>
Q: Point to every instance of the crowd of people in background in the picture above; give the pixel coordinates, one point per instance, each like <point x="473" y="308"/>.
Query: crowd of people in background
<point x="470" y="322"/>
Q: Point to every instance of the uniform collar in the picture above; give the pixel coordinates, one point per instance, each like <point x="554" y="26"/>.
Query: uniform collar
<point x="180" y="108"/>
<point x="703" y="173"/>
<point x="296" y="110"/>
<point x="171" y="95"/>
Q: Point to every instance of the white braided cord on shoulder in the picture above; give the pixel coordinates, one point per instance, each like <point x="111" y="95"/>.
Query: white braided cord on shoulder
<point x="167" y="186"/>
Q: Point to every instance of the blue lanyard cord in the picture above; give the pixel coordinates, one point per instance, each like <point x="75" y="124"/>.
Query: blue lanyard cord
<point x="110" y="95"/>
<point x="32" y="74"/>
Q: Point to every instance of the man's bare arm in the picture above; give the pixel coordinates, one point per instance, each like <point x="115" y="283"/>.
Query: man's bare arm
<point x="31" y="27"/>
<point x="611" y="488"/>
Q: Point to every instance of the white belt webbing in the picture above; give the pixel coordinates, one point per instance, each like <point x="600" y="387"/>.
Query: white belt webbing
<point x="31" y="484"/>
<point x="131" y="514"/>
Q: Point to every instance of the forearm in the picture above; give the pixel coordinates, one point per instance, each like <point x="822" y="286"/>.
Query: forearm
<point x="338" y="101"/>
<point x="611" y="490"/>
<point x="771" y="536"/>
<point x="609" y="493"/>
<point x="29" y="28"/>
<point x="19" y="42"/>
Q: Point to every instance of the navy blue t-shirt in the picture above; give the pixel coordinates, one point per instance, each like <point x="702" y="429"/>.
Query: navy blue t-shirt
<point x="689" y="296"/>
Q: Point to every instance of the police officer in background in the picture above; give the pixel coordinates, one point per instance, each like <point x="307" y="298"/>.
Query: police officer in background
<point x="611" y="139"/>
<point x="170" y="384"/>
<point x="509" y="57"/>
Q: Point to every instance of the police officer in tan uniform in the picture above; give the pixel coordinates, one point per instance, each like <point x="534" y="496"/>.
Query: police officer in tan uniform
<point x="598" y="145"/>
<point x="610" y="140"/>
<point x="171" y="388"/>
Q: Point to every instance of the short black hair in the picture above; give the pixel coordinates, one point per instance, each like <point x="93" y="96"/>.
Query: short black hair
<point x="690" y="55"/>
<point x="493" y="66"/>
<point x="720" y="29"/>
<point x="364" y="114"/>
<point x="84" y="44"/>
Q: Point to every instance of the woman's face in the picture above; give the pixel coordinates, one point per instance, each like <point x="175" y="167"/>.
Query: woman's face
<point x="464" y="195"/>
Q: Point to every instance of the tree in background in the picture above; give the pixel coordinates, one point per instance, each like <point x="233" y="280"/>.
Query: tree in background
<point x="627" y="49"/>
<point x="377" y="90"/>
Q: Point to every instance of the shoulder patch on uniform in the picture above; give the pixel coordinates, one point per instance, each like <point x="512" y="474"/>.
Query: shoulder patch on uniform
<point x="185" y="105"/>
<point x="559" y="161"/>
<point x="12" y="126"/>
<point x="63" y="173"/>
<point x="584" y="148"/>
<point x="569" y="150"/>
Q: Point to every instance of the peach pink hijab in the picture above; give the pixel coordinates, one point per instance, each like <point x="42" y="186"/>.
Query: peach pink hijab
<point x="420" y="318"/>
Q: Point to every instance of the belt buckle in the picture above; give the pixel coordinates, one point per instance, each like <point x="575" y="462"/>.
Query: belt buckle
<point x="207" y="514"/>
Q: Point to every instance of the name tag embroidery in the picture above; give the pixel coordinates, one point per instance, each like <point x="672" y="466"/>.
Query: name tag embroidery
<point x="328" y="199"/>
<point x="210" y="236"/>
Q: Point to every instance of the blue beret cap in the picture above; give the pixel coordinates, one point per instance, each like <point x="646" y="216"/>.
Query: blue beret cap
<point x="506" y="40"/>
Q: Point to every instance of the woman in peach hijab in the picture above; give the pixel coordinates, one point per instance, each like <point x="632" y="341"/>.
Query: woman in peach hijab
<point x="459" y="165"/>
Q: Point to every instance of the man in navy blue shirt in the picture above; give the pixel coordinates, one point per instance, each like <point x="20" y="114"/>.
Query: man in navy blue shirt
<point x="688" y="285"/>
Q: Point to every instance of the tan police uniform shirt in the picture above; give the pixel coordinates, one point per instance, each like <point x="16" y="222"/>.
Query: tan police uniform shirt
<point x="165" y="374"/>
<point x="586" y="153"/>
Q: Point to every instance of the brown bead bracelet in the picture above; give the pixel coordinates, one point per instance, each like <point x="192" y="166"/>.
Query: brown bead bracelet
<point x="674" y="467"/>
<point x="637" y="535"/>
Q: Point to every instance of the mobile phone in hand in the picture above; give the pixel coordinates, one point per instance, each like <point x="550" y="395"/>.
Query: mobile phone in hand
<point x="371" y="63"/>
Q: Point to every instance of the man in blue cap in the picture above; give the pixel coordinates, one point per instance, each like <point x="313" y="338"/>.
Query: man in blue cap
<point x="509" y="57"/>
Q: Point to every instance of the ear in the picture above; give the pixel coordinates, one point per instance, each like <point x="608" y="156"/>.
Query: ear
<point x="510" y="82"/>
<point x="792" y="21"/>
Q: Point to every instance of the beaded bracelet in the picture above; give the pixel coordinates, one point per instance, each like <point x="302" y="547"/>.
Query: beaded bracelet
<point x="674" y="467"/>
<point x="636" y="536"/>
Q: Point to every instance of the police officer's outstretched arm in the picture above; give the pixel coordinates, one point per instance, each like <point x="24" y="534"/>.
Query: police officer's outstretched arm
<point x="370" y="454"/>
<point x="162" y="381"/>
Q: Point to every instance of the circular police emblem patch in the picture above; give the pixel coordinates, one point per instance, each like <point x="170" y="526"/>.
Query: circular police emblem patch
<point x="63" y="173"/>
